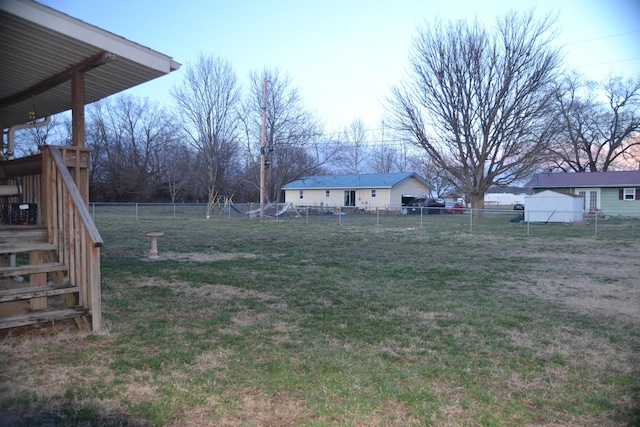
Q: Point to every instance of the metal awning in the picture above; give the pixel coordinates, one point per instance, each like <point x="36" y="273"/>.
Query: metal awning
<point x="40" y="48"/>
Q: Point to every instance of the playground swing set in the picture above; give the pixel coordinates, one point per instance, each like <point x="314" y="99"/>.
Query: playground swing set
<point x="222" y="202"/>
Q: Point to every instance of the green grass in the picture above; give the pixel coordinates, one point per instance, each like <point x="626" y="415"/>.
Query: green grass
<point x="289" y="323"/>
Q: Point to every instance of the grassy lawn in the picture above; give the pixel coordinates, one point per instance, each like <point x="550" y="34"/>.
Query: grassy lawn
<point x="323" y="324"/>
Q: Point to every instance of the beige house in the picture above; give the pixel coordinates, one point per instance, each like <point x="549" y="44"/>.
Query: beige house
<point x="363" y="191"/>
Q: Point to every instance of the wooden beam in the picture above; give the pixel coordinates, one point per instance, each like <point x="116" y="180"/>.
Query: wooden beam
<point x="87" y="64"/>
<point x="77" y="110"/>
<point x="31" y="165"/>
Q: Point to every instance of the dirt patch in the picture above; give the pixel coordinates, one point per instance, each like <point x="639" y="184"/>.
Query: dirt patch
<point x="601" y="282"/>
<point x="202" y="257"/>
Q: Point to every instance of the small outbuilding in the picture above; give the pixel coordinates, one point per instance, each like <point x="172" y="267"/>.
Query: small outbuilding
<point x="553" y="206"/>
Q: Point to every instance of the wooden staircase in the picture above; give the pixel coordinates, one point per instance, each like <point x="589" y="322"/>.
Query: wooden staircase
<point x="31" y="299"/>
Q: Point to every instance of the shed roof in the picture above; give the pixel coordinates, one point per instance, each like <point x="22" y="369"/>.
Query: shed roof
<point x="40" y="49"/>
<point x="586" y="179"/>
<point x="378" y="180"/>
<point x="554" y="193"/>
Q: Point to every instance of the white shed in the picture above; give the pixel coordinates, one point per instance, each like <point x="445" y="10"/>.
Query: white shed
<point x="553" y="206"/>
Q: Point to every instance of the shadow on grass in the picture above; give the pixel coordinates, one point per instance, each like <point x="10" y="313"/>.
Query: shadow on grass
<point x="66" y="417"/>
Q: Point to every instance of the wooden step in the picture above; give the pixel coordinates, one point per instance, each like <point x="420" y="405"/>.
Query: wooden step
<point x="32" y="269"/>
<point x="22" y="233"/>
<point x="36" y="292"/>
<point x="7" y="248"/>
<point x="34" y="317"/>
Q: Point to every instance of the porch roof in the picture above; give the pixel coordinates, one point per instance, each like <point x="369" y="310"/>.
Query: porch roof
<point x="41" y="48"/>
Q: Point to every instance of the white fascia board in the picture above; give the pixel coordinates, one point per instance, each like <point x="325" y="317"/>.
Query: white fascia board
<point x="101" y="39"/>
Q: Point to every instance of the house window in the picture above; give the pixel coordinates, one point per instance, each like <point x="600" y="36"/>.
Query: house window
<point x="629" y="194"/>
<point x="302" y="194"/>
<point x="373" y="194"/>
<point x="327" y="193"/>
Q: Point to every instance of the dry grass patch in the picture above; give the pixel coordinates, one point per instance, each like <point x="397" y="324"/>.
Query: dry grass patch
<point x="212" y="360"/>
<point x="600" y="282"/>
<point x="426" y="316"/>
<point x="597" y="354"/>
<point x="203" y="257"/>
<point x="249" y="408"/>
<point x="207" y="292"/>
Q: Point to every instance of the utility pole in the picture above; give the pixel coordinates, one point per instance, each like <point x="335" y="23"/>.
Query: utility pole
<point x="263" y="150"/>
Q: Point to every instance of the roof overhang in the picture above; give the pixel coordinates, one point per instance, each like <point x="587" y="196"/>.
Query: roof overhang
<point x="40" y="48"/>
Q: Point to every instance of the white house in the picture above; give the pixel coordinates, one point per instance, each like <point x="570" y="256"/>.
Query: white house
<point x="364" y="191"/>
<point x="553" y="206"/>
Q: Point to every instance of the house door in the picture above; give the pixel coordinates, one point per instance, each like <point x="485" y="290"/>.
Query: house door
<point x="589" y="199"/>
<point x="350" y="197"/>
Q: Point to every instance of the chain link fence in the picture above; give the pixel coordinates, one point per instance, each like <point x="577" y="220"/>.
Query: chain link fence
<point x="504" y="221"/>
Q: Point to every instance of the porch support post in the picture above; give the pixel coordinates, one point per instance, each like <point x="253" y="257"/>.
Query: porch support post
<point x="77" y="109"/>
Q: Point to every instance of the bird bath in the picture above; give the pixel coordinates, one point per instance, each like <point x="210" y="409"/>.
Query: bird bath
<point x="153" y="252"/>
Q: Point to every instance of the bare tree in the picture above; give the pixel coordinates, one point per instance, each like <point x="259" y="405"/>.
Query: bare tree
<point x="207" y="108"/>
<point x="355" y="152"/>
<point x="28" y="141"/>
<point x="176" y="172"/>
<point x="292" y="134"/>
<point x="600" y="124"/>
<point x="477" y="101"/>
<point x="127" y="134"/>
<point x="383" y="154"/>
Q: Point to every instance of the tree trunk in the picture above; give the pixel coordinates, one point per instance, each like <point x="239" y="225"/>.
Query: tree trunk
<point x="477" y="204"/>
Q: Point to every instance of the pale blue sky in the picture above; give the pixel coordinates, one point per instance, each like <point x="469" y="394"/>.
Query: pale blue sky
<point x="343" y="55"/>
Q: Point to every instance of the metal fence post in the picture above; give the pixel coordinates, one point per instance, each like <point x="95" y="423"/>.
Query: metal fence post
<point x="596" y="225"/>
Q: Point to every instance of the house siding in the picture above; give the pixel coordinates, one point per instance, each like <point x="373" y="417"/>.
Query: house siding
<point x="615" y="206"/>
<point x="410" y="186"/>
<point x="386" y="198"/>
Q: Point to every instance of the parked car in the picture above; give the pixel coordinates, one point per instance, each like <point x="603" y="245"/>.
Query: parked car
<point x="454" y="207"/>
<point x="433" y="206"/>
<point x="518" y="207"/>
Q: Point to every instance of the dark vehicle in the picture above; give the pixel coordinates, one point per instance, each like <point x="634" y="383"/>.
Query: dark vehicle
<point x="518" y="207"/>
<point x="433" y="206"/>
<point x="454" y="207"/>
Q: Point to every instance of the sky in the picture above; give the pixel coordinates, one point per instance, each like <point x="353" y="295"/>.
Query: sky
<point x="344" y="55"/>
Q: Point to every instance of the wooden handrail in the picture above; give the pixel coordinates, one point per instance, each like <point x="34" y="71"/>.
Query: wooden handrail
<point x="75" y="197"/>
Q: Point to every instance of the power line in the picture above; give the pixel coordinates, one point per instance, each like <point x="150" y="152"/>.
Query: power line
<point x="609" y="62"/>
<point x="603" y="37"/>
